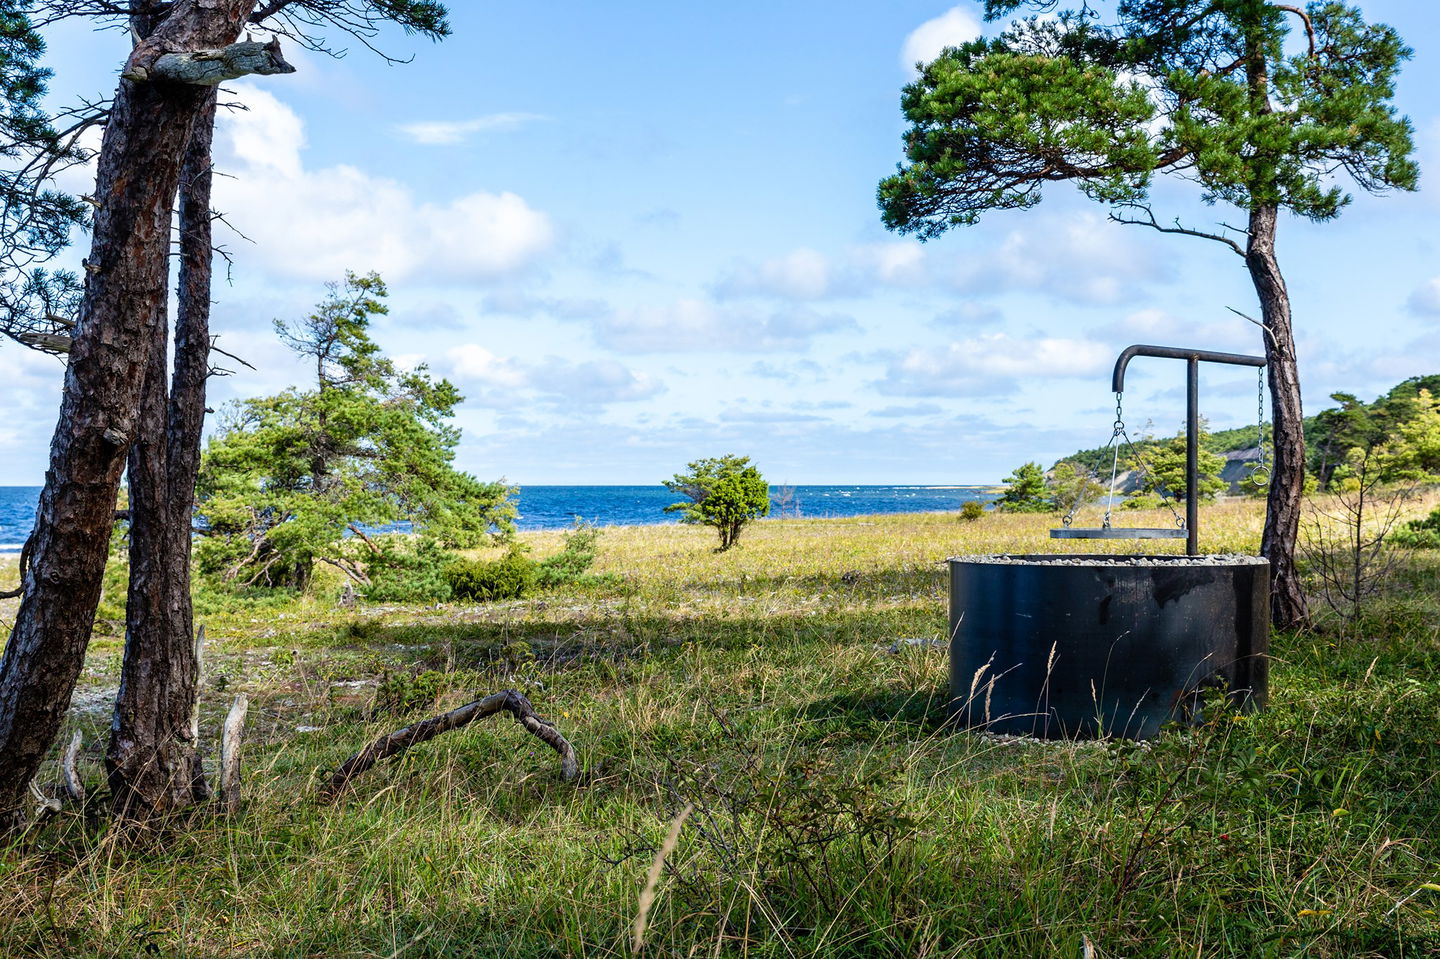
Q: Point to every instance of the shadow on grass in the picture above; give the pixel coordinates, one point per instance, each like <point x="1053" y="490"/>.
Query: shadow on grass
<point x="478" y="644"/>
<point x="906" y="713"/>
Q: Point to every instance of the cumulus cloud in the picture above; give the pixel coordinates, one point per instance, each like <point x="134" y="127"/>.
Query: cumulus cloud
<point x="991" y="364"/>
<point x="497" y="381"/>
<point x="952" y="28"/>
<point x="1079" y="257"/>
<point x="688" y="325"/>
<point x="1229" y="332"/>
<point x="807" y="274"/>
<point x="448" y="132"/>
<point x="316" y="223"/>
<point x="1425" y="300"/>
<point x="802" y="274"/>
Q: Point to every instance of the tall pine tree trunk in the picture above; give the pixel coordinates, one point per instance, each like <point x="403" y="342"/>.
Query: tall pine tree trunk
<point x="146" y="136"/>
<point x="153" y="758"/>
<point x="1287" y="482"/>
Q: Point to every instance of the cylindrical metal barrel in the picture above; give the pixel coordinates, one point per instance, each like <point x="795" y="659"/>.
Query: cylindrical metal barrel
<point x="1080" y="646"/>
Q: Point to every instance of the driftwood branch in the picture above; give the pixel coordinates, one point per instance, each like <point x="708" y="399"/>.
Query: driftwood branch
<point x="230" y="753"/>
<point x="207" y="68"/>
<point x="199" y="682"/>
<point x="74" y="788"/>
<point x="402" y="739"/>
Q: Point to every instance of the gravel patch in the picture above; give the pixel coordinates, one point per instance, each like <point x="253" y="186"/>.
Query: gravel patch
<point x="1060" y="559"/>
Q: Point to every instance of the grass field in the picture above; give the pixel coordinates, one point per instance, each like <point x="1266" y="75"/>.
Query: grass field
<point x="761" y="697"/>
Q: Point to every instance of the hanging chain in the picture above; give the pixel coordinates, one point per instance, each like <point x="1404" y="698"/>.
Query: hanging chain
<point x="1117" y="430"/>
<point x="1147" y="471"/>
<point x="1260" y="472"/>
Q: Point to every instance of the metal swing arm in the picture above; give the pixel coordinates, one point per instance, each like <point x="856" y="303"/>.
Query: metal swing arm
<point x="1193" y="359"/>
<point x="1117" y="379"/>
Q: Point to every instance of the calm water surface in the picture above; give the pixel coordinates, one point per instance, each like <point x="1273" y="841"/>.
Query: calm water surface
<point x="557" y="507"/>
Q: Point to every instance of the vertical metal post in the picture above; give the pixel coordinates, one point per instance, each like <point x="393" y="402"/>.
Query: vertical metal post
<point x="1192" y="455"/>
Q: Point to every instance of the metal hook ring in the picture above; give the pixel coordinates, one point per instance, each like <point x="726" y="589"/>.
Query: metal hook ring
<point x="1260" y="476"/>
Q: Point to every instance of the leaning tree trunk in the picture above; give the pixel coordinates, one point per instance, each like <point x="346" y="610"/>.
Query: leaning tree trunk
<point x="1287" y="478"/>
<point x="153" y="759"/>
<point x="146" y="136"/>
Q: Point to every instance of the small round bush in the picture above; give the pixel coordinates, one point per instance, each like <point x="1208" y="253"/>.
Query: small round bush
<point x="972" y="510"/>
<point x="1420" y="533"/>
<point x="508" y="577"/>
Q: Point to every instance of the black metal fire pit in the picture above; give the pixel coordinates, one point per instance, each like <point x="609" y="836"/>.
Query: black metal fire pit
<point x="1082" y="646"/>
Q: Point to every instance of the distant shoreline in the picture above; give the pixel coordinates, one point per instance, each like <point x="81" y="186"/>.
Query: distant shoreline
<point x="557" y="507"/>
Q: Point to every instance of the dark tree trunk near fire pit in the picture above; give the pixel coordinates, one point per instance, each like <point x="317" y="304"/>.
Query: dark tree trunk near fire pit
<point x="146" y="136"/>
<point x="153" y="759"/>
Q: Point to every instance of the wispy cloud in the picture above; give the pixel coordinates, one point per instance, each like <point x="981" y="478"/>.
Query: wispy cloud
<point x="688" y="325"/>
<point x="500" y="382"/>
<point x="448" y="132"/>
<point x="990" y="365"/>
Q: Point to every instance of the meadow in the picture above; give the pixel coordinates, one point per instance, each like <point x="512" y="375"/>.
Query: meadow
<point x="768" y="768"/>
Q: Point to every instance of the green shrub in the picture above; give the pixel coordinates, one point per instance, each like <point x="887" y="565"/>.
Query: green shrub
<point x="972" y="510"/>
<point x="509" y="577"/>
<point x="1420" y="533"/>
<point x="412" y="571"/>
<point x="1025" y="491"/>
<point x="725" y="492"/>
<point x="572" y="563"/>
<point x="401" y="693"/>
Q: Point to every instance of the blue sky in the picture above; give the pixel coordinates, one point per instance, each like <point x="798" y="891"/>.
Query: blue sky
<point x="635" y="234"/>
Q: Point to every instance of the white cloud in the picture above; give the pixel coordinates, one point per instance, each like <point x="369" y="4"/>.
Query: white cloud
<point x="1425" y="300"/>
<point x="315" y="224"/>
<point x="952" y="28"/>
<point x="807" y="274"/>
<point x="991" y="364"/>
<point x="895" y="264"/>
<point x="1079" y="257"/>
<point x="688" y="325"/>
<point x="447" y="132"/>
<point x="495" y="381"/>
<point x="1229" y="332"/>
<point x="802" y="274"/>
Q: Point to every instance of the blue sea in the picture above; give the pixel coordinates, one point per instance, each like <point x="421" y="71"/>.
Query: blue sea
<point x="557" y="507"/>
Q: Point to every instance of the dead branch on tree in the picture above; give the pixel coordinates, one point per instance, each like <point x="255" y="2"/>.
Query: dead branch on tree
<point x="402" y="739"/>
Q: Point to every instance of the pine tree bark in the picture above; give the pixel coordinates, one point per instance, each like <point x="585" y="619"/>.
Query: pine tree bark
<point x="138" y="172"/>
<point x="153" y="759"/>
<point x="1284" y="501"/>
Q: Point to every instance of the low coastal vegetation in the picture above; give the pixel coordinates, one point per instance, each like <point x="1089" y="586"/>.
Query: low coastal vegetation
<point x="763" y="738"/>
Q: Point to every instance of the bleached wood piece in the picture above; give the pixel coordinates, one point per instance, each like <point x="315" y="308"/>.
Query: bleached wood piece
<point x="74" y="788"/>
<point x="230" y="753"/>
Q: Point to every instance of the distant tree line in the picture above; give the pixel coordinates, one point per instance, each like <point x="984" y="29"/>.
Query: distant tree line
<point x="1397" y="435"/>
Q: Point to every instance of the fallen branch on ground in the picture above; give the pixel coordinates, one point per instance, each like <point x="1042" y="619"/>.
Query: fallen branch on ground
<point x="402" y="739"/>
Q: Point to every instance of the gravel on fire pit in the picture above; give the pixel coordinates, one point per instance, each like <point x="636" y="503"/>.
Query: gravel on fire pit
<point x="1061" y="559"/>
